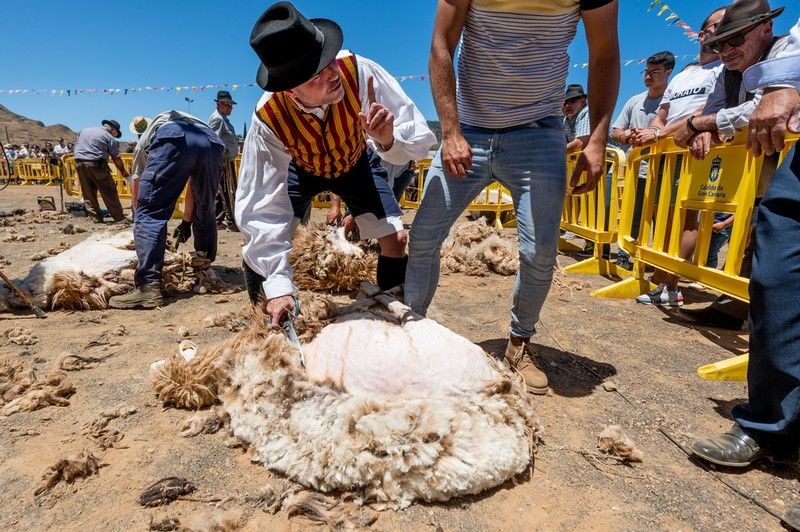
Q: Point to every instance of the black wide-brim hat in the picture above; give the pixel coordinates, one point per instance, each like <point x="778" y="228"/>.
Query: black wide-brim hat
<point x="292" y="48"/>
<point x="742" y="16"/>
<point x="115" y="125"/>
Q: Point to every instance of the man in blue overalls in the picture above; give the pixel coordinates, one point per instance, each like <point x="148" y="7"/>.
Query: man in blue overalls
<point x="174" y="147"/>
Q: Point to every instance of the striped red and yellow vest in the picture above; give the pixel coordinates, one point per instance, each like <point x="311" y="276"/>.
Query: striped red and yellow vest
<point x="325" y="148"/>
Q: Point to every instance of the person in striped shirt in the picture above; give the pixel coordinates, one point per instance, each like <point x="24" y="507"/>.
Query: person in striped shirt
<point x="308" y="135"/>
<point x="503" y="122"/>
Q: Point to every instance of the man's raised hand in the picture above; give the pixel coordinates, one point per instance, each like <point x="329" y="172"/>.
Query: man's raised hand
<point x="378" y="121"/>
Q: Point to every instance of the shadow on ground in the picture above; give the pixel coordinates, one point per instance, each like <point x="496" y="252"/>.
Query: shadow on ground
<point x="570" y="375"/>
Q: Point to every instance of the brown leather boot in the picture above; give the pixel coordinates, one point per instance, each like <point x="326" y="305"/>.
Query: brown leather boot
<point x="521" y="356"/>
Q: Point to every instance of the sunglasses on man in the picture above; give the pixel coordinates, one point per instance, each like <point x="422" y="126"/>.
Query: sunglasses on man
<point x="733" y="41"/>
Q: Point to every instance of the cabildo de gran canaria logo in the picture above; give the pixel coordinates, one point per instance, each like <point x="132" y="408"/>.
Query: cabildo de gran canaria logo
<point x="710" y="189"/>
<point x="715" y="166"/>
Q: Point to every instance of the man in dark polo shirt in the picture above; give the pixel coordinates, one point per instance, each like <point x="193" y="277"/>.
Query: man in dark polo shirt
<point x="92" y="150"/>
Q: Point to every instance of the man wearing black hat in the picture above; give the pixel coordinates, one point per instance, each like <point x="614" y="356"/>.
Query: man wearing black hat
<point x="92" y="150"/>
<point x="219" y="124"/>
<point x="309" y="134"/>
<point x="576" y="117"/>
<point x="743" y="38"/>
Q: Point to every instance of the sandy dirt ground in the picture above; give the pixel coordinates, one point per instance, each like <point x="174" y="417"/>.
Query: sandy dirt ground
<point x="610" y="362"/>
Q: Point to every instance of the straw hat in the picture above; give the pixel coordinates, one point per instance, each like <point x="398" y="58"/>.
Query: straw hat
<point x="139" y="124"/>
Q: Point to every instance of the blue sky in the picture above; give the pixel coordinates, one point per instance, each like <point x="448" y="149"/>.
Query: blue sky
<point x="168" y="43"/>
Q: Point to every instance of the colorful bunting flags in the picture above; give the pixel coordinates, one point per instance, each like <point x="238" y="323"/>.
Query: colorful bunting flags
<point x="673" y="18"/>
<point x="234" y="86"/>
<point x="176" y="89"/>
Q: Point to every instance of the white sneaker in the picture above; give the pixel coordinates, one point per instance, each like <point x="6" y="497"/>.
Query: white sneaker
<point x="662" y="296"/>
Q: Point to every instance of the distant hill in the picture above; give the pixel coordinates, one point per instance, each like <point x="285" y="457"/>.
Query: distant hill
<point x="17" y="129"/>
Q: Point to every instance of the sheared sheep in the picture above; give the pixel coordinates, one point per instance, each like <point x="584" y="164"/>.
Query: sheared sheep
<point x="88" y="274"/>
<point x="393" y="411"/>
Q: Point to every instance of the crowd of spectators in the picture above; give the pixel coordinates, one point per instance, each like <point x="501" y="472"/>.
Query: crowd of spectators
<point x="50" y="152"/>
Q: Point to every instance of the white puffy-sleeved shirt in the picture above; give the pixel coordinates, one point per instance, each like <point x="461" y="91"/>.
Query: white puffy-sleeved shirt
<point x="263" y="210"/>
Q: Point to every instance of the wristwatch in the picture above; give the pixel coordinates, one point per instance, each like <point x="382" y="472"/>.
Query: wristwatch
<point x="691" y="126"/>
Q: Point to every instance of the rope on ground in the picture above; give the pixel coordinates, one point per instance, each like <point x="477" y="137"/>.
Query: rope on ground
<point x="720" y="478"/>
<point x="663" y="431"/>
<point x="599" y="377"/>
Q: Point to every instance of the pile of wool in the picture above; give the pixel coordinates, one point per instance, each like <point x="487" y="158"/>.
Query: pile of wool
<point x="86" y="275"/>
<point x="390" y="407"/>
<point x="475" y="248"/>
<point x="22" y="391"/>
<point x="323" y="259"/>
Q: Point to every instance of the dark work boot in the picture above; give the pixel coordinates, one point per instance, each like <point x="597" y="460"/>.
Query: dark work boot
<point x="147" y="296"/>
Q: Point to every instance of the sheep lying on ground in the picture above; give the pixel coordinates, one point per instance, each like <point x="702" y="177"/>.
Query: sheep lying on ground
<point x="390" y="406"/>
<point x="88" y="274"/>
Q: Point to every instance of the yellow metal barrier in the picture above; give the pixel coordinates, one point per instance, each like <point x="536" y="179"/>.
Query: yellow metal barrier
<point x="36" y="171"/>
<point x="494" y="200"/>
<point x="724" y="181"/>
<point x="410" y="199"/>
<point x="593" y="216"/>
<point x="5" y="169"/>
<point x="72" y="186"/>
<point x="730" y="369"/>
<point x="413" y="193"/>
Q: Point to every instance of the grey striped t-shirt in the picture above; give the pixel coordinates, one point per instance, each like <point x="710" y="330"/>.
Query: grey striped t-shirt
<point x="512" y="61"/>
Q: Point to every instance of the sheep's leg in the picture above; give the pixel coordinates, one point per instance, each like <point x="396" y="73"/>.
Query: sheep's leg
<point x="400" y="311"/>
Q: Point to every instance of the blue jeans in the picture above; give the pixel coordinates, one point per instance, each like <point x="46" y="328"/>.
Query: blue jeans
<point x="530" y="162"/>
<point x="178" y="150"/>
<point x="717" y="241"/>
<point x="773" y="374"/>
